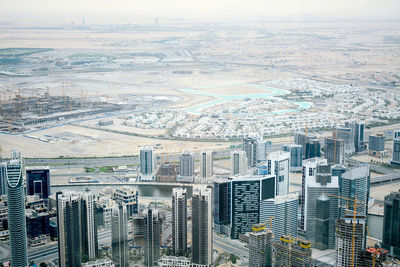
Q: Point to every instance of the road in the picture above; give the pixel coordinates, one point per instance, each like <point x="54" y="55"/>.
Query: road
<point x="230" y="246"/>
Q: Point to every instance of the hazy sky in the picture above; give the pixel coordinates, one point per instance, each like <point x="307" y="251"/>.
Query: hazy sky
<point x="199" y="9"/>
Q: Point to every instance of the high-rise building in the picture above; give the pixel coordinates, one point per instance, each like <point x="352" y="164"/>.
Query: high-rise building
<point x="104" y="206"/>
<point x="320" y="187"/>
<point x="147" y="163"/>
<point x="301" y="138"/>
<point x="296" y="156"/>
<point x="292" y="252"/>
<point x="249" y="145"/>
<point x="179" y="221"/>
<point x="279" y="166"/>
<point x="3" y="178"/>
<point x="202" y="233"/>
<point x="312" y="148"/>
<point x="354" y="182"/>
<point x="334" y="150"/>
<point x="373" y="257"/>
<point x="358" y="135"/>
<point x="260" y="247"/>
<point x="38" y="181"/>
<point x="119" y="235"/>
<point x="187" y="164"/>
<point x="69" y="232"/>
<point x="88" y="227"/>
<point x="391" y="224"/>
<point x="346" y="134"/>
<point x="222" y="205"/>
<point x="262" y="148"/>
<point x="308" y="173"/>
<point x="246" y="194"/>
<point x="283" y="210"/>
<point x="376" y="143"/>
<point x="16" y="212"/>
<point x="238" y="163"/>
<point x="152" y="222"/>
<point x="37" y="227"/>
<point x="128" y="196"/>
<point x="206" y="164"/>
<point x="396" y="149"/>
<point x="348" y="254"/>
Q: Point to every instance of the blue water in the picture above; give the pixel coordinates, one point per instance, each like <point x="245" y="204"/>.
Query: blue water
<point x="270" y="92"/>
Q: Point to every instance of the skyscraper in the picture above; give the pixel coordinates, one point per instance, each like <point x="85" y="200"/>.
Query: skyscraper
<point x="38" y="181"/>
<point x="376" y="143"/>
<point x="238" y="163"/>
<point x="292" y="252"/>
<point x="88" y="227"/>
<point x="354" y="182"/>
<point x="206" y="164"/>
<point x="249" y="145"/>
<point x="128" y="196"/>
<point x="147" y="163"/>
<point x="319" y="188"/>
<point x="187" y="164"/>
<point x="278" y="165"/>
<point x="3" y="178"/>
<point x="296" y="156"/>
<point x="260" y="247"/>
<point x="346" y="134"/>
<point x="152" y="233"/>
<point x="391" y="224"/>
<point x="202" y="239"/>
<point x="179" y="221"/>
<point x="334" y="150"/>
<point x="309" y="173"/>
<point x="262" y="148"/>
<point x="344" y="241"/>
<point x="246" y="194"/>
<point x="312" y="148"/>
<point x="222" y="205"/>
<point x="16" y="212"/>
<point x="119" y="235"/>
<point x="283" y="210"/>
<point x="69" y="232"/>
<point x="396" y="149"/>
<point x="358" y="135"/>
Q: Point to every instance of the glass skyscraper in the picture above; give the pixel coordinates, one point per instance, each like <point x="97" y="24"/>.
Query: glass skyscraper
<point x="391" y="224"/>
<point x="16" y="212"/>
<point x="38" y="181"/>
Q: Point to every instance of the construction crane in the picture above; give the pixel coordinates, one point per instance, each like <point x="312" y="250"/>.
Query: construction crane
<point x="356" y="204"/>
<point x="262" y="226"/>
<point x="373" y="252"/>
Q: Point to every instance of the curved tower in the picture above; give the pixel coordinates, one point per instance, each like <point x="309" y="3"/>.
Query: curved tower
<point x="16" y="213"/>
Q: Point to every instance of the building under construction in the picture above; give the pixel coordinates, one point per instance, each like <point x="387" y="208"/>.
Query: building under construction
<point x="291" y="252"/>
<point x="19" y="113"/>
<point x="349" y="241"/>
<point x="375" y="257"/>
<point x="260" y="246"/>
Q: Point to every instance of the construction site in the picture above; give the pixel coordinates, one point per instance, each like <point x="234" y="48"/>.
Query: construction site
<point x="23" y="112"/>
